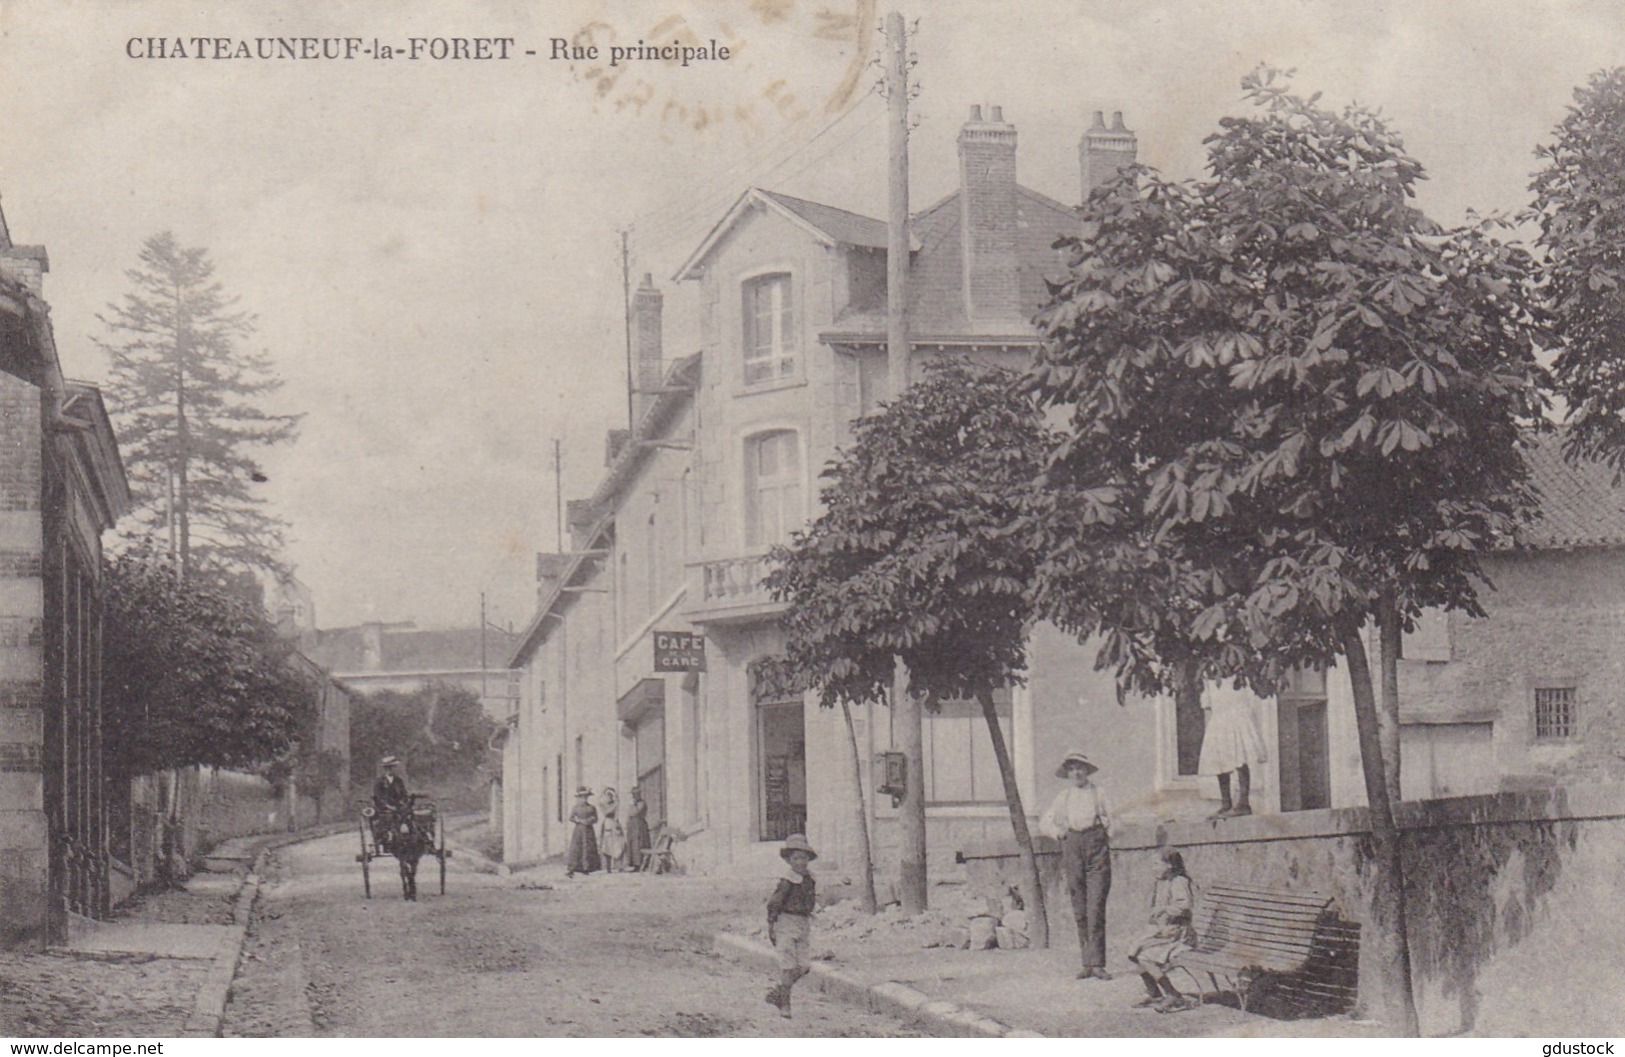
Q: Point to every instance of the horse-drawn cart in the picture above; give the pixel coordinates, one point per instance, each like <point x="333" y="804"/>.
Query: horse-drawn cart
<point x="408" y="834"/>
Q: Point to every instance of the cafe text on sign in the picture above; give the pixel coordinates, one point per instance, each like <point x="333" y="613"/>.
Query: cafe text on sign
<point x="679" y="651"/>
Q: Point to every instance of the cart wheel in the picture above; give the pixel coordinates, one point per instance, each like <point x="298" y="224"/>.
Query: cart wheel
<point x="366" y="879"/>
<point x="440" y="852"/>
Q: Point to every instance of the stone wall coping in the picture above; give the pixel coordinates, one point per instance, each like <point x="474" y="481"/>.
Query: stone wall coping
<point x="1563" y="803"/>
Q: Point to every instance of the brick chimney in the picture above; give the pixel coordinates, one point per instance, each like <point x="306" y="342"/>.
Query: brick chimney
<point x="580" y="516"/>
<point x="550" y="568"/>
<point x="22" y="264"/>
<point x="1103" y="152"/>
<point x="648" y="367"/>
<point x="988" y="223"/>
<point x="372" y="647"/>
<point x="26" y="265"/>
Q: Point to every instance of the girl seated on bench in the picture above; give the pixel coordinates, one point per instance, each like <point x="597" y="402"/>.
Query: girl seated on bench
<point x="1171" y="904"/>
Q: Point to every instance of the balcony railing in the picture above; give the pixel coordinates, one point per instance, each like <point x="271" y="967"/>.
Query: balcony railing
<point x="731" y="588"/>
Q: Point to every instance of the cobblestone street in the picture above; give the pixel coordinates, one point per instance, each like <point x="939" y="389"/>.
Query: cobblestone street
<point x="623" y="955"/>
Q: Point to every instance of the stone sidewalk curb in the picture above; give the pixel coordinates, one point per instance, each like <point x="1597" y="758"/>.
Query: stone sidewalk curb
<point x="209" y="1011"/>
<point x="476" y="860"/>
<point x="890" y="998"/>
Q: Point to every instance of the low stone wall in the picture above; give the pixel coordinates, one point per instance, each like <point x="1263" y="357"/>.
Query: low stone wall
<point x="1509" y="897"/>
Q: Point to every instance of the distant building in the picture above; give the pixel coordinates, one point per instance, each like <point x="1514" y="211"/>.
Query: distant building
<point x="403" y="657"/>
<point x="61" y="486"/>
<point x="721" y="465"/>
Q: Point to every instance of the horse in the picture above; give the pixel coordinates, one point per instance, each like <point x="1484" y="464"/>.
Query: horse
<point x="411" y="836"/>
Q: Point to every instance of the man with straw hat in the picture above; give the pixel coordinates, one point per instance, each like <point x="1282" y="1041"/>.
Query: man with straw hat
<point x="1079" y="818"/>
<point x="389" y="799"/>
<point x="789" y="918"/>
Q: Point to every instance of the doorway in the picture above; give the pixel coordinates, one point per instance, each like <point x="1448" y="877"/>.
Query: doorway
<point x="781" y="769"/>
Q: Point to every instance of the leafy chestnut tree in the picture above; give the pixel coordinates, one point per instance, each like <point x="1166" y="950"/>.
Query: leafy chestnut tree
<point x="1579" y="206"/>
<point x="195" y="674"/>
<point x="1296" y="408"/>
<point x="922" y="555"/>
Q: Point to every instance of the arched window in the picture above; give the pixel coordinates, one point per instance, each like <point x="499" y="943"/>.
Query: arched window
<point x="770" y="329"/>
<point x="773" y="507"/>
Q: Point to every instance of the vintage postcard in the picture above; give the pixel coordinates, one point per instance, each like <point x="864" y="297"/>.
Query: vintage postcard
<point x="810" y="518"/>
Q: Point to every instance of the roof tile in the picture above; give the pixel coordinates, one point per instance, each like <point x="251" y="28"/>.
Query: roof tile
<point x="1580" y="505"/>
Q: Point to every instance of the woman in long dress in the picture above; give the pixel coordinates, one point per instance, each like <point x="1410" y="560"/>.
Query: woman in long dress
<point x="637" y="829"/>
<point x="611" y="838"/>
<point x="583" y="854"/>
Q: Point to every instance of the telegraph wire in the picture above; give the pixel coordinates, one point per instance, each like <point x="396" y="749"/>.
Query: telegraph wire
<point x="730" y="179"/>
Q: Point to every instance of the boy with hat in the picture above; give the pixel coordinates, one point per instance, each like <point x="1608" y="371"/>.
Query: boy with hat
<point x="1078" y="819"/>
<point x="789" y="918"/>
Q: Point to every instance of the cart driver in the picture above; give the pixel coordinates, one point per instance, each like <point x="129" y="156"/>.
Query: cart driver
<point x="389" y="798"/>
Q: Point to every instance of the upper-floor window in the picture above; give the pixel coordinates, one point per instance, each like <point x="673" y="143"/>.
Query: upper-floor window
<point x="1430" y="639"/>
<point x="770" y="329"/>
<point x="773" y="488"/>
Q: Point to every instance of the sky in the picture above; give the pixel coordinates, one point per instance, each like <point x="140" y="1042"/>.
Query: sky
<point x="432" y="249"/>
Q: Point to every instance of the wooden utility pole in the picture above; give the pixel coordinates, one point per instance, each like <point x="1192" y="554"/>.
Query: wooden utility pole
<point x="558" y="495"/>
<point x="907" y="721"/>
<point x="626" y="319"/>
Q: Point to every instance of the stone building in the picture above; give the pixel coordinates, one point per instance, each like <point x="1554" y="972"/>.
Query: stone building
<point x="722" y="464"/>
<point x="403" y="657"/>
<point x="61" y="486"/>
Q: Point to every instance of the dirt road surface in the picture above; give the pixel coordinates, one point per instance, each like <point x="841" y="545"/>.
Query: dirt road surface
<point x="532" y="955"/>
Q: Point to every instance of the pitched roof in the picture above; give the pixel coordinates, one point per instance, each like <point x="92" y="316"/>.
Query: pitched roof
<point x="406" y="649"/>
<point x="936" y="288"/>
<point x="1580" y="505"/>
<point x="854" y="229"/>
<point x="827" y="224"/>
<point x="448" y="649"/>
<point x="682" y="378"/>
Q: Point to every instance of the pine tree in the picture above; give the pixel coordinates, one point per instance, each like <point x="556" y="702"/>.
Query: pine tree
<point x="185" y="392"/>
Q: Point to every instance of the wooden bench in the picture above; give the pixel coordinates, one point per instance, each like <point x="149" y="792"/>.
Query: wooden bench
<point x="1246" y="931"/>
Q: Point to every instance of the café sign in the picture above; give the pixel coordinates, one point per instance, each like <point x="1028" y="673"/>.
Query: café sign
<point x="679" y="651"/>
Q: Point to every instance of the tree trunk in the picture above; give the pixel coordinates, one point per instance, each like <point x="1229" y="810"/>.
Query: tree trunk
<point x="183" y="443"/>
<point x="1031" y="884"/>
<point x="906" y="711"/>
<point x="865" y="852"/>
<point x="1388" y="934"/>
<point x="1389" y="637"/>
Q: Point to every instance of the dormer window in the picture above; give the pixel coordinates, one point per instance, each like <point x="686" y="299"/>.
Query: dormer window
<point x="770" y="330"/>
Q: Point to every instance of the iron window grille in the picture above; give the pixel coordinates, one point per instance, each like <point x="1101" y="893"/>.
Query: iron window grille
<point x="1555" y="712"/>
